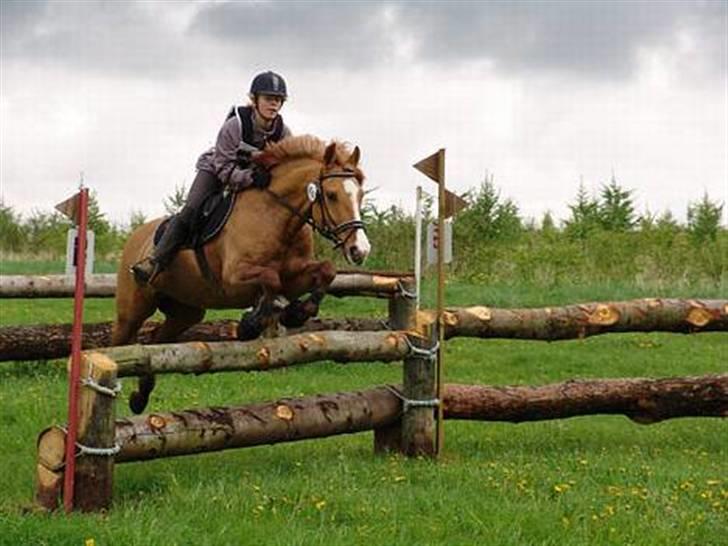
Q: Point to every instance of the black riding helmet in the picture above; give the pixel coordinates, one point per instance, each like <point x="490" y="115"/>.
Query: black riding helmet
<point x="269" y="83"/>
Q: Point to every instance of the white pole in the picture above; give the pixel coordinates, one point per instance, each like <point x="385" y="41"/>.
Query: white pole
<point x="418" y="243"/>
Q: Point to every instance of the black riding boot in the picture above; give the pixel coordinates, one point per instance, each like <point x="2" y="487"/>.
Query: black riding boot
<point x="203" y="185"/>
<point x="172" y="238"/>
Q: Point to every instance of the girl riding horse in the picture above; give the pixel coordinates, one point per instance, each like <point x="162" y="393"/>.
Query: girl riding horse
<point x="246" y="131"/>
<point x="265" y="250"/>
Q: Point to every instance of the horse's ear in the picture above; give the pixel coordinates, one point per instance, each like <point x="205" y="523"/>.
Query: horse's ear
<point x="354" y="157"/>
<point x="330" y="154"/>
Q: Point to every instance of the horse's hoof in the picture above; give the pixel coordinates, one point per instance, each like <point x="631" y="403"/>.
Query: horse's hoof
<point x="294" y="315"/>
<point x="249" y="329"/>
<point x="137" y="402"/>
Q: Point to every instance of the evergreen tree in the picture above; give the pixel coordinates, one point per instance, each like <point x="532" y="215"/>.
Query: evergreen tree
<point x="704" y="219"/>
<point x="488" y="216"/>
<point x="616" y="209"/>
<point x="584" y="215"/>
<point x="97" y="221"/>
<point x="547" y="223"/>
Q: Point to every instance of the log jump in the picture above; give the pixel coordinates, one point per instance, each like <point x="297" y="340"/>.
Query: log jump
<point x="347" y="283"/>
<point x="401" y="417"/>
<point x="188" y="432"/>
<point x="49" y="341"/>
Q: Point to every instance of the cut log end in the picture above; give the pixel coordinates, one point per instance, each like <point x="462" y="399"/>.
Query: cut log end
<point x="699" y="317"/>
<point x="603" y="315"/>
<point x="49" y="469"/>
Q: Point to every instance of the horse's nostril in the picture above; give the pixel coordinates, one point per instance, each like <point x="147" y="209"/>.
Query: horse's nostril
<point x="356" y="254"/>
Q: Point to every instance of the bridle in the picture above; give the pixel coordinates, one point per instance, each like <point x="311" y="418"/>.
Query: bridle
<point x="306" y="217"/>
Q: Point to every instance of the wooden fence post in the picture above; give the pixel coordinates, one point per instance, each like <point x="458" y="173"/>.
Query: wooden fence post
<point x="414" y="433"/>
<point x="419" y="391"/>
<point x="402" y="316"/>
<point x="403" y="306"/>
<point x="96" y="433"/>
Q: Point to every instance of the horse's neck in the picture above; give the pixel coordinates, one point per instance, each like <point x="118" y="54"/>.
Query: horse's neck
<point x="279" y="217"/>
<point x="290" y="179"/>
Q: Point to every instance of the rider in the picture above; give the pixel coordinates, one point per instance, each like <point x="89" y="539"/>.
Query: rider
<point x="246" y="131"/>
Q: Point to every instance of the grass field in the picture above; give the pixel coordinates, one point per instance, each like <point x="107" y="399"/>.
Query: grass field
<point x="590" y="480"/>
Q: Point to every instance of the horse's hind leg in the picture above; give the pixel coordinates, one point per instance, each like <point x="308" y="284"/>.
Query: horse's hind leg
<point x="178" y="318"/>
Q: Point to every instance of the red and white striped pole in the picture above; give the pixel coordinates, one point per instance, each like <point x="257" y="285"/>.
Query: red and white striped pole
<point x="73" y="380"/>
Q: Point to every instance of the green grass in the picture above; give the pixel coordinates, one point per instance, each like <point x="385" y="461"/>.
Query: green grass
<point x="588" y="480"/>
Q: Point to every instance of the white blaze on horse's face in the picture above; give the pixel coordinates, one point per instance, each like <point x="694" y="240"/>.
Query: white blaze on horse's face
<point x="357" y="247"/>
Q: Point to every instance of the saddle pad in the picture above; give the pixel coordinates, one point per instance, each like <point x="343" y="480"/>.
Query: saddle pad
<point x="211" y="218"/>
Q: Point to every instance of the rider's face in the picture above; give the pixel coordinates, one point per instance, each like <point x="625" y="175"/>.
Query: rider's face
<point x="268" y="106"/>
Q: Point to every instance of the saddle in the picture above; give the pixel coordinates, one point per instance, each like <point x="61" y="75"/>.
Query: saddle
<point x="211" y="218"/>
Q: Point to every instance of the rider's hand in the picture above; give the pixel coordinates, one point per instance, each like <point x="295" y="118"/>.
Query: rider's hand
<point x="261" y="178"/>
<point x="243" y="158"/>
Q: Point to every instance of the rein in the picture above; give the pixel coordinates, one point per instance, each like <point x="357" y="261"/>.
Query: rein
<point x="330" y="233"/>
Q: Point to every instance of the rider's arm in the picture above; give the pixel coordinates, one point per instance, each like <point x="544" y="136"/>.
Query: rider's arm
<point x="224" y="159"/>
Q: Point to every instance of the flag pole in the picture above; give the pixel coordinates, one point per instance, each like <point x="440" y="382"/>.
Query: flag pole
<point x="418" y="244"/>
<point x="440" y="296"/>
<point x="70" y="468"/>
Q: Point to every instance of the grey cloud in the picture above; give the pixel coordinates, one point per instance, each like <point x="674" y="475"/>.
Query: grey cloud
<point x="589" y="38"/>
<point x="345" y="34"/>
<point x="593" y="38"/>
<point x="91" y="35"/>
<point x="597" y="39"/>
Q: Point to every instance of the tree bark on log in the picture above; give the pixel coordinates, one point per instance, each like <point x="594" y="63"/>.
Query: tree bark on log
<point x="55" y="286"/>
<point x="644" y="401"/>
<point x="587" y="319"/>
<point x="213" y="429"/>
<point x="187" y="432"/>
<point x="352" y="283"/>
<point x="48" y="341"/>
<point x="261" y="354"/>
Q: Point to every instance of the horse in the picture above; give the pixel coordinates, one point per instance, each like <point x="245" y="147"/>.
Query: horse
<point x="264" y="251"/>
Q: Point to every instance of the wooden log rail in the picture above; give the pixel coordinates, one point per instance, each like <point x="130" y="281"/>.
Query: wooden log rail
<point x="188" y="432"/>
<point x="262" y="354"/>
<point x="588" y="319"/>
<point x="347" y="283"/>
<point x="48" y="341"/>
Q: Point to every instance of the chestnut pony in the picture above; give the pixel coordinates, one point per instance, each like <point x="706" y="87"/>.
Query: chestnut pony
<point x="264" y="251"/>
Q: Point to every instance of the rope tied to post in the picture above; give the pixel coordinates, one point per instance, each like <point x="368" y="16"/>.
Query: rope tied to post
<point x="91" y="383"/>
<point x="89" y="450"/>
<point x="429" y="353"/>
<point x="403" y="292"/>
<point x="408" y="404"/>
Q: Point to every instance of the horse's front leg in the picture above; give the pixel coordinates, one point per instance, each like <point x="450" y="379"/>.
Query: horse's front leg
<point x="253" y="323"/>
<point x="308" y="277"/>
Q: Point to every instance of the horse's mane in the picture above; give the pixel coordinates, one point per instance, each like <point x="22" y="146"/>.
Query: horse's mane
<point x="303" y="147"/>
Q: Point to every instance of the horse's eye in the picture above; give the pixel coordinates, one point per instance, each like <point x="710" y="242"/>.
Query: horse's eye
<point x="331" y="196"/>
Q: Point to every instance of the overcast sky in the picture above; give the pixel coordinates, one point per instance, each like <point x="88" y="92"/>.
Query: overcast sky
<point x="542" y="94"/>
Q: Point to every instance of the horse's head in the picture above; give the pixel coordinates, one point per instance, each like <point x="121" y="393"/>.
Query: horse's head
<point x="336" y="202"/>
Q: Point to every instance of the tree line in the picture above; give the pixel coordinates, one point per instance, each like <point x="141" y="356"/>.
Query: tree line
<point x="604" y="238"/>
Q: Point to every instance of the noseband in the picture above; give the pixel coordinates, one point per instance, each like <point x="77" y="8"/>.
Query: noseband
<point x="326" y="230"/>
